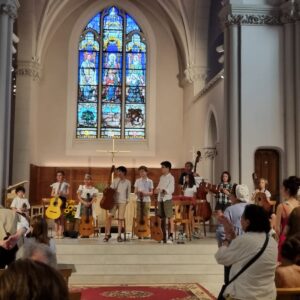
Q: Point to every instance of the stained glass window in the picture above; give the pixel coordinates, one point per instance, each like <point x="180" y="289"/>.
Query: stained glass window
<point x="112" y="63"/>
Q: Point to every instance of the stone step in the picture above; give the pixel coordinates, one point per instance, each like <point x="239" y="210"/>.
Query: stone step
<point x="128" y="259"/>
<point x="141" y="269"/>
<point x="124" y="249"/>
<point x="207" y="280"/>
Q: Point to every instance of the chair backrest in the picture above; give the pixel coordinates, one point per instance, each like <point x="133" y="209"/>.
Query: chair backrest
<point x="66" y="273"/>
<point x="288" y="293"/>
<point x="74" y="295"/>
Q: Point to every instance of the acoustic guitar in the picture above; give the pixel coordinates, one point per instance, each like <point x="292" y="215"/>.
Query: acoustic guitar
<point x="142" y="228"/>
<point x="53" y="211"/>
<point x="109" y="194"/>
<point x="86" y="227"/>
<point x="155" y="226"/>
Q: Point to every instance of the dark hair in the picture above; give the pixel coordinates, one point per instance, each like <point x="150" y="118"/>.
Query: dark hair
<point x="40" y="230"/>
<point x="190" y="164"/>
<point x="143" y="168"/>
<point x="258" y="218"/>
<point x="166" y="164"/>
<point x="294" y="222"/>
<point x="20" y="189"/>
<point x="233" y="190"/>
<point x="229" y="176"/>
<point x="122" y="169"/>
<point x="30" y="280"/>
<point x="60" y="172"/>
<point x="291" y="249"/>
<point x="191" y="182"/>
<point x="292" y="185"/>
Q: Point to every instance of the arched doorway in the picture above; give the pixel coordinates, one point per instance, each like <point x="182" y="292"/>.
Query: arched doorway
<point x="267" y="165"/>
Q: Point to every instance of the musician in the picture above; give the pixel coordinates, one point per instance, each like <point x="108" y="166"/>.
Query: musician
<point x="60" y="189"/>
<point x="188" y="169"/>
<point x="165" y="189"/>
<point x="222" y="197"/>
<point x="84" y="192"/>
<point x="143" y="187"/>
<point x="123" y="188"/>
<point x="262" y="189"/>
<point x="20" y="204"/>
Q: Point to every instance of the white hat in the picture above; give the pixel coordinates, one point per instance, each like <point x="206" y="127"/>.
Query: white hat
<point x="242" y="193"/>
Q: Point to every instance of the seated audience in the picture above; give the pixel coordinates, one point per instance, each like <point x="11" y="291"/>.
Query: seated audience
<point x="288" y="273"/>
<point x="12" y="228"/>
<point x="293" y="225"/>
<point x="29" y="280"/>
<point x="38" y="236"/>
<point x="239" y="198"/>
<point x="289" y="194"/>
<point x="258" y="281"/>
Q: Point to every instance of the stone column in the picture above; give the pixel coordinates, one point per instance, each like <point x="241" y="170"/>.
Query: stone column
<point x="232" y="88"/>
<point x="8" y="12"/>
<point x="287" y="19"/>
<point x="26" y="107"/>
<point x="297" y="85"/>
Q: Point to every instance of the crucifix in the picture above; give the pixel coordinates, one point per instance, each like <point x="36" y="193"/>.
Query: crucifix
<point x="113" y="151"/>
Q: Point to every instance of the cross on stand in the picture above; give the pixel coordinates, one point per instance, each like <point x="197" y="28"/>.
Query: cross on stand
<point x="113" y="151"/>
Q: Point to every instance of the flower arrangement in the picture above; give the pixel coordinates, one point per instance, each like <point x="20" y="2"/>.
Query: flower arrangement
<point x="70" y="210"/>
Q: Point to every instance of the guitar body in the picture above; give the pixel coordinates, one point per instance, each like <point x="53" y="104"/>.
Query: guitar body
<point x="53" y="211"/>
<point x="107" y="201"/>
<point x="86" y="227"/>
<point x="142" y="228"/>
<point x="261" y="200"/>
<point x="156" y="231"/>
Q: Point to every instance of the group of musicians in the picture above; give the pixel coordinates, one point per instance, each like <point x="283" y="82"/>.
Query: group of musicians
<point x="189" y="183"/>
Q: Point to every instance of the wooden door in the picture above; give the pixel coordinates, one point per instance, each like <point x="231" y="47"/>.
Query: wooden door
<point x="267" y="166"/>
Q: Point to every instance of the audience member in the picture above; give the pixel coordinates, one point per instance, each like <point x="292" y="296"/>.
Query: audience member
<point x="29" y="280"/>
<point x="257" y="281"/>
<point x="289" y="194"/>
<point x="288" y="273"/>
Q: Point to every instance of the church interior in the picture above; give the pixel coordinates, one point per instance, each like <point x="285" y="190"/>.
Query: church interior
<point x="150" y="149"/>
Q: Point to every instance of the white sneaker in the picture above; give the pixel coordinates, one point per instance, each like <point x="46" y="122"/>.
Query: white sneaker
<point x="170" y="240"/>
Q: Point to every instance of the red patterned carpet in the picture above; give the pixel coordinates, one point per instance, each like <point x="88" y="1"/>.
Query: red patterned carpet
<point x="157" y="292"/>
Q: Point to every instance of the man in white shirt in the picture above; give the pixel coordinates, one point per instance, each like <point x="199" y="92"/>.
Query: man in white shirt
<point x="165" y="190"/>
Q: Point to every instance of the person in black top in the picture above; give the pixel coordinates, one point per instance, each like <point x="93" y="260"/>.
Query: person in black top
<point x="188" y="169"/>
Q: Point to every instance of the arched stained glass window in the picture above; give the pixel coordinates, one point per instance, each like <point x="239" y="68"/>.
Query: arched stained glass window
<point x="112" y="78"/>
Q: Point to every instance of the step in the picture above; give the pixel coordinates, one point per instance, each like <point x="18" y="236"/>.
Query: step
<point x="145" y="259"/>
<point x="140" y="269"/>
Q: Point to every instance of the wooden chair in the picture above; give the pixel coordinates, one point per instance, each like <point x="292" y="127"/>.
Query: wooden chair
<point x="183" y="216"/>
<point x="288" y="293"/>
<point x="123" y="224"/>
<point x="74" y="295"/>
<point x="66" y="274"/>
<point x="197" y="220"/>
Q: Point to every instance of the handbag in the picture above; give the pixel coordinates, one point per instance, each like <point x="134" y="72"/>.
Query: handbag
<point x="246" y="266"/>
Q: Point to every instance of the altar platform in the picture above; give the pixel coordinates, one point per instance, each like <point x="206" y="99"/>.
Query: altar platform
<point x="140" y="262"/>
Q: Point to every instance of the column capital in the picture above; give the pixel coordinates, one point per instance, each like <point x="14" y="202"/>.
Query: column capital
<point x="9" y="7"/>
<point x="242" y="14"/>
<point x="29" y="68"/>
<point x="194" y="74"/>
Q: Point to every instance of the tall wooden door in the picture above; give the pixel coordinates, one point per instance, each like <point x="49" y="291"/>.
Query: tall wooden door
<point x="267" y="163"/>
